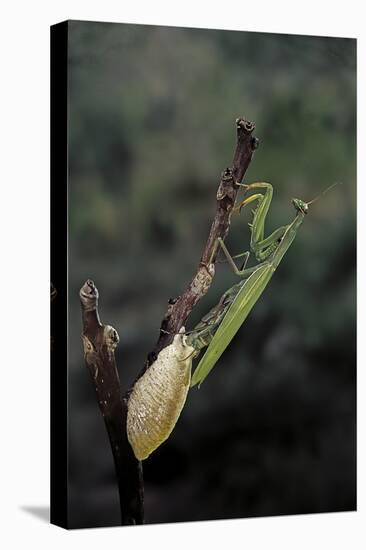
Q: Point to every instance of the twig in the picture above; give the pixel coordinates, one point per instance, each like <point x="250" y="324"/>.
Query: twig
<point x="100" y="342"/>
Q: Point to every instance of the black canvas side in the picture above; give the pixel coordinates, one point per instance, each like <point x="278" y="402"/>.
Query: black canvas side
<point x="59" y="277"/>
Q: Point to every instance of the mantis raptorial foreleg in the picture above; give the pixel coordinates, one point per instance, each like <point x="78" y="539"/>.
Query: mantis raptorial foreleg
<point x="262" y="247"/>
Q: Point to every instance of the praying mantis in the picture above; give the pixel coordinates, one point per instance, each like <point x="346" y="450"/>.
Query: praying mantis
<point x="218" y="328"/>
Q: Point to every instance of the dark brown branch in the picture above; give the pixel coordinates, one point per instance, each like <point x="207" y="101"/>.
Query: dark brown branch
<point x="100" y="342"/>
<point x="179" y="309"/>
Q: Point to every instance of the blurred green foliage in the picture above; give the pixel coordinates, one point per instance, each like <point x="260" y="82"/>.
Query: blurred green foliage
<point x="151" y="127"/>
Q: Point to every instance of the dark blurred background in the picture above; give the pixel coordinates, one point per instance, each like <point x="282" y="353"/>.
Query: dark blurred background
<point x="151" y="127"/>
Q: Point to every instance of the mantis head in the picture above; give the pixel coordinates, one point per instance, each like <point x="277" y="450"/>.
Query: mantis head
<point x="303" y="207"/>
<point x="300" y="205"/>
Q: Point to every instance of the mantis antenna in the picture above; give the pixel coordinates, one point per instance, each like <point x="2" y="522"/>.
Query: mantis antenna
<point x="325" y="192"/>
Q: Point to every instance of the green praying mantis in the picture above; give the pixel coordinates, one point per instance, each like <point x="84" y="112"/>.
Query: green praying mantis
<point x="217" y="329"/>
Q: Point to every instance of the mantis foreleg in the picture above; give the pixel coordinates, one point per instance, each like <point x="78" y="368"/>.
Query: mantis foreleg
<point x="262" y="247"/>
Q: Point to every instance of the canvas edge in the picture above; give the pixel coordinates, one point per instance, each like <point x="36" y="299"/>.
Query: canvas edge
<point x="59" y="274"/>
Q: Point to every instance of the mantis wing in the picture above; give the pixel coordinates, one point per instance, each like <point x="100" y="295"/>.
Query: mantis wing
<point x="234" y="318"/>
